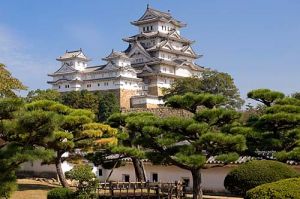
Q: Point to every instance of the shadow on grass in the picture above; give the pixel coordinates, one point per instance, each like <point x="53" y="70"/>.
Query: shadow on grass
<point x="25" y="187"/>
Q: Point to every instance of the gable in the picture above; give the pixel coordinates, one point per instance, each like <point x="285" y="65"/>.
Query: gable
<point x="189" y="50"/>
<point x="65" y="69"/>
<point x="168" y="46"/>
<point x="175" y="35"/>
<point x="137" y="51"/>
<point x="109" y="66"/>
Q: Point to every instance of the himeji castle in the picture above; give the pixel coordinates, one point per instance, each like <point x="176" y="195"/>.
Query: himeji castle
<point x="155" y="56"/>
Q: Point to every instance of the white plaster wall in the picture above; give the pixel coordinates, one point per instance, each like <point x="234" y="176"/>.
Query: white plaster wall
<point x="212" y="179"/>
<point x="183" y="71"/>
<point x="146" y="100"/>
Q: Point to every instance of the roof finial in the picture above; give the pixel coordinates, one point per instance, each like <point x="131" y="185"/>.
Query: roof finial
<point x="80" y="49"/>
<point x="148" y="6"/>
<point x="168" y="10"/>
<point x="112" y="50"/>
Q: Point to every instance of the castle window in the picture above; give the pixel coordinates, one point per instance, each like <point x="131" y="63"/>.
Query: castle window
<point x="58" y="87"/>
<point x="151" y="27"/>
<point x="147" y="28"/>
<point x="67" y="86"/>
<point x="98" y="84"/>
<point x="88" y="85"/>
<point x="105" y="83"/>
<point x="144" y="29"/>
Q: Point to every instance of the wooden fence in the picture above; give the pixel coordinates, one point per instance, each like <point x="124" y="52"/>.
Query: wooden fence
<point x="137" y="190"/>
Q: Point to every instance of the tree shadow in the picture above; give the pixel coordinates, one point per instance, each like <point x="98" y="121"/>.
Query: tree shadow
<point x="25" y="187"/>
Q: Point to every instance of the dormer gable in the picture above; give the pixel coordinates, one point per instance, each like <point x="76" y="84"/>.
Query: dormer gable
<point x="65" y="68"/>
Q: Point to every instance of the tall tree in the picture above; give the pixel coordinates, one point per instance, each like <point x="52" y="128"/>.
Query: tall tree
<point x="108" y="105"/>
<point x="278" y="128"/>
<point x="9" y="84"/>
<point x="72" y="129"/>
<point x="39" y="94"/>
<point x="187" y="143"/>
<point x="212" y="82"/>
<point x="126" y="147"/>
<point x="17" y="144"/>
<point x="265" y="96"/>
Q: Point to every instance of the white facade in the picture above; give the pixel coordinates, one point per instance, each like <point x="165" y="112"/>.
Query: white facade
<point x="212" y="179"/>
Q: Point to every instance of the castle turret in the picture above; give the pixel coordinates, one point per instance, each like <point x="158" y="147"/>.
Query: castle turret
<point x="76" y="59"/>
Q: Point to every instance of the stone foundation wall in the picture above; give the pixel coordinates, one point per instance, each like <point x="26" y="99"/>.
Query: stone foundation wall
<point x="125" y="96"/>
<point x="161" y="112"/>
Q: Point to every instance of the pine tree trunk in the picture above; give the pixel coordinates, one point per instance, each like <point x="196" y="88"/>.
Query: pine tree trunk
<point x="197" y="191"/>
<point x="139" y="169"/>
<point x="60" y="173"/>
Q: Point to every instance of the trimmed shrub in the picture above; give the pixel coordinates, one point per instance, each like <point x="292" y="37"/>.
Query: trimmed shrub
<point x="255" y="173"/>
<point x="287" y="188"/>
<point x="60" y="193"/>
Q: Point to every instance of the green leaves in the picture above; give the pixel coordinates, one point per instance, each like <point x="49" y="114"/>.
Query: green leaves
<point x="265" y="96"/>
<point x="212" y="82"/>
<point x="191" y="102"/>
<point x="8" y="84"/>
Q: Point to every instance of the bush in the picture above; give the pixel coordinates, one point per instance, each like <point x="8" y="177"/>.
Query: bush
<point x="257" y="172"/>
<point x="87" y="181"/>
<point x="287" y="188"/>
<point x="60" y="193"/>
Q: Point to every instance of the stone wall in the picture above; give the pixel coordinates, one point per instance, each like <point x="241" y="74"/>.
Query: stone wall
<point x="161" y="112"/>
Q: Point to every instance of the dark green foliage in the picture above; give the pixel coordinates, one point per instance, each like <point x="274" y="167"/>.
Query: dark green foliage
<point x="296" y="95"/>
<point x="257" y="172"/>
<point x="188" y="142"/>
<point x="265" y="96"/>
<point x="212" y="82"/>
<point x="87" y="181"/>
<point x="48" y="94"/>
<point x="108" y="105"/>
<point x="277" y="127"/>
<point x="82" y="100"/>
<point x="18" y="143"/>
<point x="60" y="193"/>
<point x="191" y="101"/>
<point x="287" y="188"/>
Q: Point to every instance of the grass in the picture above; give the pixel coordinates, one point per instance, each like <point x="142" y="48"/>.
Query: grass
<point x="32" y="189"/>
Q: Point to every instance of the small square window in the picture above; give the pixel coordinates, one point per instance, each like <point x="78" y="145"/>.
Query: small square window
<point x="100" y="172"/>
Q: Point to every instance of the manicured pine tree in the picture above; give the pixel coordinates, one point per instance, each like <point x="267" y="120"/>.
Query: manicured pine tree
<point x="278" y="128"/>
<point x="71" y="129"/>
<point x="188" y="143"/>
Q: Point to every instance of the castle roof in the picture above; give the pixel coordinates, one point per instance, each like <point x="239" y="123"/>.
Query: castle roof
<point x="73" y="54"/>
<point x="172" y="35"/>
<point x="153" y="15"/>
<point x="115" y="55"/>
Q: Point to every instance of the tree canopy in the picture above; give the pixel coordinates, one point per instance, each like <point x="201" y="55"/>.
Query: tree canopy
<point x="8" y="83"/>
<point x="212" y="82"/>
<point x="188" y="142"/>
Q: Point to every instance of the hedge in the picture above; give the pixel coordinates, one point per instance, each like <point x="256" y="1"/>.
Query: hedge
<point x="255" y="173"/>
<point x="287" y="188"/>
<point x="60" y="193"/>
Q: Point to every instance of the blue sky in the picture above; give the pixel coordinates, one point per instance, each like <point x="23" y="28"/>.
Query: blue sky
<point x="256" y="41"/>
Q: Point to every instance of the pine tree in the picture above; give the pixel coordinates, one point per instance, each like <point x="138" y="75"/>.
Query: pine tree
<point x="187" y="143"/>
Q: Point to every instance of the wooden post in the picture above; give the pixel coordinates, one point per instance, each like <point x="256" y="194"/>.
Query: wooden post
<point x="111" y="189"/>
<point x="148" y="189"/>
<point x="158" y="190"/>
